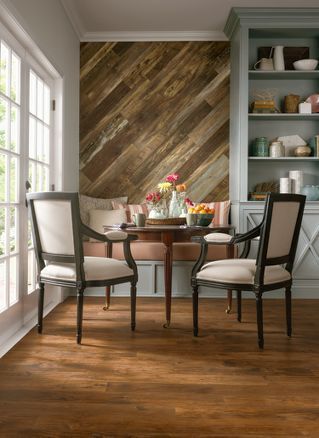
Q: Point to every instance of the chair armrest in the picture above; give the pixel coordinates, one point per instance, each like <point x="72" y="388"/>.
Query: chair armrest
<point x="116" y="236"/>
<point x="204" y="241"/>
<point x="252" y="234"/>
<point x="214" y="239"/>
<point x="87" y="231"/>
<point x="109" y="236"/>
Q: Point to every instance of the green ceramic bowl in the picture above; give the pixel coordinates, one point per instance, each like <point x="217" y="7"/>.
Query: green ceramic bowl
<point x="203" y="220"/>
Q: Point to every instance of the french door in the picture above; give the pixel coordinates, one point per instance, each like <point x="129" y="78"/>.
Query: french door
<point x="26" y="160"/>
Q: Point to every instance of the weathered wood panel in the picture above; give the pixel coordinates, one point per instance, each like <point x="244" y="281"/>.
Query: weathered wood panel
<point x="152" y="108"/>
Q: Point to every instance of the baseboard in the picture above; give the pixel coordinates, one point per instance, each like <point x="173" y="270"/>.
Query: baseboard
<point x="24" y="330"/>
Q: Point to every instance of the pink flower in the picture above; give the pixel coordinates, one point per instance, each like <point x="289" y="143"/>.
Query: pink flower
<point x="172" y="178"/>
<point x="189" y="202"/>
<point x="153" y="197"/>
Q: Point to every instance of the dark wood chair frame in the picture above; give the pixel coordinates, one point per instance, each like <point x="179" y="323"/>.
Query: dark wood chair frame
<point x="258" y="287"/>
<point x="80" y="284"/>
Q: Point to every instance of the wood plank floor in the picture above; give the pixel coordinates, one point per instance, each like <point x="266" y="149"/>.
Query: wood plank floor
<point x="163" y="382"/>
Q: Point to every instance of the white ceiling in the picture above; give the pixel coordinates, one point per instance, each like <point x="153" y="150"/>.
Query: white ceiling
<point x="158" y="19"/>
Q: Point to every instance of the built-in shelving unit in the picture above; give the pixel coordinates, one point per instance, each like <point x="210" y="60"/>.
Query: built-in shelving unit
<point x="249" y="29"/>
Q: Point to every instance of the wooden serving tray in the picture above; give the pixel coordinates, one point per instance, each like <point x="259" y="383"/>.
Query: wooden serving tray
<point x="167" y="221"/>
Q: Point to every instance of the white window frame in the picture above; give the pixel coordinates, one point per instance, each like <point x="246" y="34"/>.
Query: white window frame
<point x="20" y="317"/>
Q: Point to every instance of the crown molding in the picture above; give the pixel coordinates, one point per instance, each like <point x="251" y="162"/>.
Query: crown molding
<point x="74" y="18"/>
<point x="269" y="17"/>
<point x="155" y="36"/>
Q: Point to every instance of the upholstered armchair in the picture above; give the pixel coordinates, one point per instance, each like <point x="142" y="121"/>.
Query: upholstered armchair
<point x="278" y="237"/>
<point x="58" y="233"/>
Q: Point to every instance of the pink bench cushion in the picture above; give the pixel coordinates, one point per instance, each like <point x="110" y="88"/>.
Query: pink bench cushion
<point x="187" y="251"/>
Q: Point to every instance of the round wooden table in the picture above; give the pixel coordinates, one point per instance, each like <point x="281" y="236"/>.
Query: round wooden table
<point x="169" y="234"/>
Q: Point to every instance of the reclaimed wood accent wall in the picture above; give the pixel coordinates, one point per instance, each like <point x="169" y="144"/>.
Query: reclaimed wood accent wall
<point x="152" y="108"/>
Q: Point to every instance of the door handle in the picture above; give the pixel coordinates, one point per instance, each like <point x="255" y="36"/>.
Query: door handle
<point x="27" y="188"/>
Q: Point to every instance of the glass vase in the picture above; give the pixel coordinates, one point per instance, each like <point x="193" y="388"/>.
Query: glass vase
<point x="174" y="206"/>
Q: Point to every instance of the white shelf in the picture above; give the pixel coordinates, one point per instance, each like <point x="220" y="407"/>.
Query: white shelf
<point x="283" y="116"/>
<point x="286" y="74"/>
<point x="284" y="159"/>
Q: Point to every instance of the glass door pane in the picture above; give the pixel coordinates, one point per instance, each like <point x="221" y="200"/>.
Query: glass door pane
<point x="10" y="97"/>
<point x="39" y="153"/>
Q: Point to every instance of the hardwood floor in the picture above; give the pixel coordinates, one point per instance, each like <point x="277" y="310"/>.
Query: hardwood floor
<point x="164" y="382"/>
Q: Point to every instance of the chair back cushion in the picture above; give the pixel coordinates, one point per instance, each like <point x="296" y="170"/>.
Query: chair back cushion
<point x="55" y="228"/>
<point x="280" y="230"/>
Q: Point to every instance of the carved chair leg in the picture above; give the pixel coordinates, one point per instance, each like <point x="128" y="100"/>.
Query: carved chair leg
<point x="195" y="310"/>
<point x="80" y="292"/>
<point x="133" y="306"/>
<point x="229" y="300"/>
<point x="239" y="305"/>
<point x="288" y="310"/>
<point x="40" y="307"/>
<point x="107" y="297"/>
<point x="259" y="308"/>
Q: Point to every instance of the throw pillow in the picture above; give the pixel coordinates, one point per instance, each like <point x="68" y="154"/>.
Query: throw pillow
<point x="131" y="209"/>
<point x="88" y="203"/>
<point x="98" y="218"/>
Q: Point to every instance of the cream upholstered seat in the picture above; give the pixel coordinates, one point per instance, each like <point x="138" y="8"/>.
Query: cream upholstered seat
<point x="278" y="237"/>
<point x="241" y="271"/>
<point x="95" y="268"/>
<point x="58" y="236"/>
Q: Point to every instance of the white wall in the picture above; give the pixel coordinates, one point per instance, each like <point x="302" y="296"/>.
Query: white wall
<point x="47" y="24"/>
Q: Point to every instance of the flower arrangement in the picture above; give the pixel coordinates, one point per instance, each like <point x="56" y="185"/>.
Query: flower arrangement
<point x="168" y="190"/>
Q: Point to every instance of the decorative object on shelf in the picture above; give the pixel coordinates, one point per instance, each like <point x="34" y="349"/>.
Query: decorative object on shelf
<point x="285" y="185"/>
<point x="264" y="102"/>
<point x="260" y="190"/>
<point x="311" y="192"/>
<point x="314" y="100"/>
<point x="297" y="180"/>
<point x="260" y="147"/>
<point x="303" y="151"/>
<point x="314" y="145"/>
<point x="291" y="103"/>
<point x="265" y="64"/>
<point x="291" y="54"/>
<point x="305" y="64"/>
<point x="279" y="60"/>
<point x="305" y="108"/>
<point x="256" y="196"/>
<point x="276" y="149"/>
<point x="291" y="142"/>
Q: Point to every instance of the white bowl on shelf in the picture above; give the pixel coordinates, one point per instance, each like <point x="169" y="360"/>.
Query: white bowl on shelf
<point x="305" y="64"/>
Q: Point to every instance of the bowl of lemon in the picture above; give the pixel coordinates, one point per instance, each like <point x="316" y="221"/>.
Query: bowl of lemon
<point x="201" y="215"/>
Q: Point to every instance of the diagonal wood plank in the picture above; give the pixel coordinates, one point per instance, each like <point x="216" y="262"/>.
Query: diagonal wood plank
<point x="150" y="108"/>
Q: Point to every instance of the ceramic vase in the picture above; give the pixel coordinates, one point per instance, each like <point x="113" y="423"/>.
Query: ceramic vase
<point x="279" y="60"/>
